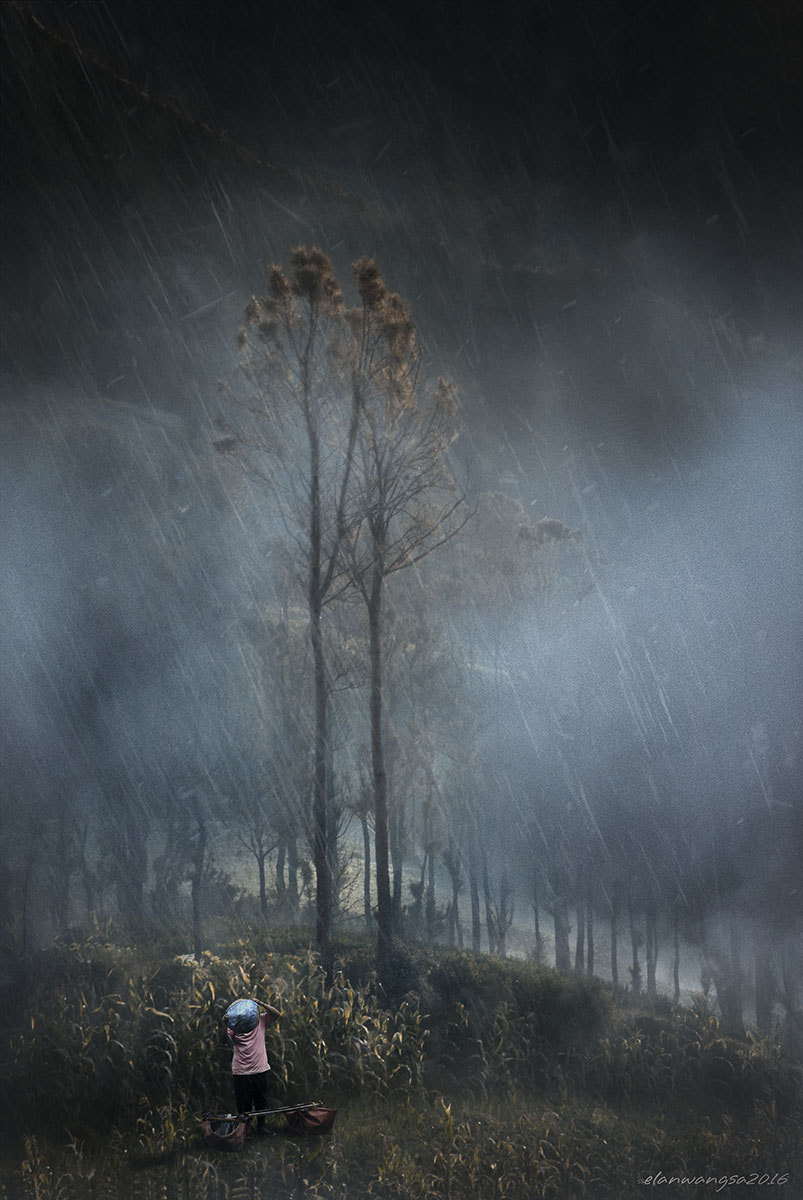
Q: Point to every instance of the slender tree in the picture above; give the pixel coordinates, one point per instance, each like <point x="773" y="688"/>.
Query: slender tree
<point x="363" y="807"/>
<point x="200" y="843"/>
<point x="613" y="902"/>
<point x="580" y="933"/>
<point x="255" y="833"/>
<point x="296" y="429"/>
<point x="404" y="505"/>
<point x="454" y="865"/>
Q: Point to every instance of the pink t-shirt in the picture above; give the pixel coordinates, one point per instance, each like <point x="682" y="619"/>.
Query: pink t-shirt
<point x="250" y="1055"/>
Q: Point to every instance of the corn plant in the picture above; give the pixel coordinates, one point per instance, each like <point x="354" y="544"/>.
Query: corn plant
<point x="155" y="1046"/>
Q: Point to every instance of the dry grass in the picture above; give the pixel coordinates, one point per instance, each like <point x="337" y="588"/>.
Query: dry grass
<point x="492" y="1080"/>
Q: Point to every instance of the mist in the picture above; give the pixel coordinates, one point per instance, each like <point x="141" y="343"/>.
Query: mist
<point x="605" y="262"/>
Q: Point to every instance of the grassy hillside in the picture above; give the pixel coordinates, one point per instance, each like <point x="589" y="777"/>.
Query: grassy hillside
<point x="479" y="1077"/>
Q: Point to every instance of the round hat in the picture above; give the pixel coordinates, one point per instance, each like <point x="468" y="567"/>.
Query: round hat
<point x="242" y="1016"/>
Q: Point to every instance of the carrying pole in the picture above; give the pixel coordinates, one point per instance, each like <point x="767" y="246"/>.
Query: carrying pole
<point x="274" y="1112"/>
<point x="264" y="1112"/>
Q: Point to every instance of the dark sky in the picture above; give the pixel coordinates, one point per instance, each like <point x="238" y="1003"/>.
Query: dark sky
<point x="538" y="136"/>
<point x="545" y="86"/>
<point x="682" y="120"/>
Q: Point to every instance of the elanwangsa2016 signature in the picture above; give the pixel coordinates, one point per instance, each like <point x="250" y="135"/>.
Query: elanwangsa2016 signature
<point x="719" y="1182"/>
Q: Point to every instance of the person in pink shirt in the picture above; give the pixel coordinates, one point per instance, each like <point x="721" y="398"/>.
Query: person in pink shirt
<point x="249" y="1064"/>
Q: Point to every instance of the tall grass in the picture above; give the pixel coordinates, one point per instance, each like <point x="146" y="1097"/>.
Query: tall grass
<point x="152" y="1045"/>
<point x="485" y="1079"/>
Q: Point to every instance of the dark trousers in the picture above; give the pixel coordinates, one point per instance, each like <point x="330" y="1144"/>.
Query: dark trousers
<point x="251" y="1092"/>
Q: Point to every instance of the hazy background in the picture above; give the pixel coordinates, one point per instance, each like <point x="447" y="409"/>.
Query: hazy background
<point x="595" y="213"/>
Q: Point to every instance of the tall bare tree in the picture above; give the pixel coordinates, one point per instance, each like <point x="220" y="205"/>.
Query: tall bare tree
<point x="404" y="505"/>
<point x="296" y="430"/>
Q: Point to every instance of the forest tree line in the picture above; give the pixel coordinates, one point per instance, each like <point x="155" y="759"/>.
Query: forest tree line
<point x="396" y="670"/>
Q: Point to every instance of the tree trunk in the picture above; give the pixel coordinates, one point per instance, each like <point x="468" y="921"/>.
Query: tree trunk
<point x="396" y="834"/>
<point x="383" y="902"/>
<point x="676" y="955"/>
<point x="366" y="878"/>
<point x="451" y="931"/>
<point x="90" y="897"/>
<point x="333" y="870"/>
<point x="764" y="991"/>
<point x="490" y="923"/>
<point x="736" y="968"/>
<point x="430" y="909"/>
<point x="474" y="893"/>
<point x="281" y="886"/>
<point x="453" y="863"/>
<point x="589" y="935"/>
<point x="132" y="865"/>
<point x="651" y="948"/>
<point x="88" y="876"/>
<point x="263" y="891"/>
<point x="25" y="895"/>
<point x="635" y="941"/>
<point x="62" y="874"/>
<point x="614" y="937"/>
<point x="457" y="933"/>
<point x="292" y="873"/>
<point x="323" y="890"/>
<point x="728" y="981"/>
<point x="579" y="947"/>
<point x="539" y="949"/>
<point x="505" y="917"/>
<point x="422" y="882"/>
<point x="563" y="961"/>
<point x="197" y="885"/>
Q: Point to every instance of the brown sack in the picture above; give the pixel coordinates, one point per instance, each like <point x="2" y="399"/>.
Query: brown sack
<point x="224" y="1133"/>
<point x="311" y="1120"/>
